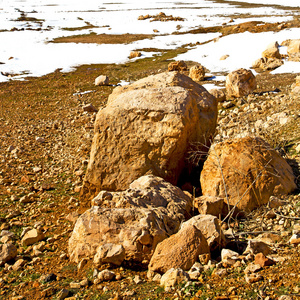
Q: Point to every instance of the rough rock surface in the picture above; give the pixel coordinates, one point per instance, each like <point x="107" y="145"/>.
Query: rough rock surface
<point x="147" y="128"/>
<point x="102" y="80"/>
<point x="208" y="205"/>
<point x="197" y="72"/>
<point x="210" y="227"/>
<point x="219" y="94"/>
<point x="240" y="83"/>
<point x="177" y="66"/>
<point x="251" y="170"/>
<point x="180" y="250"/>
<point x="173" y="277"/>
<point x="138" y="219"/>
<point x="293" y="50"/>
<point x="266" y="63"/>
<point x="109" y="253"/>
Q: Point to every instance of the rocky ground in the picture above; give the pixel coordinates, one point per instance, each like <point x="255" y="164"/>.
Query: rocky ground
<point x="46" y="130"/>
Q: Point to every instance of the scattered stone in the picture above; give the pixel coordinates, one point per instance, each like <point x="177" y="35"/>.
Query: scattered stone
<point x="177" y="66"/>
<point x="90" y="108"/>
<point x="137" y="279"/>
<point x="293" y="50"/>
<point x="31" y="237"/>
<point x="267" y="63"/>
<point x="75" y="285"/>
<point x="252" y="278"/>
<point x="7" y="253"/>
<point x="263" y="261"/>
<point x="272" y="51"/>
<point x="134" y="54"/>
<point x="195" y="271"/>
<point x="197" y="73"/>
<point x="62" y="294"/>
<point x="106" y="275"/>
<point x="224" y="57"/>
<point x="208" y="205"/>
<point x="252" y="268"/>
<point x="18" y="264"/>
<point x="240" y="83"/>
<point x="109" y="253"/>
<point x="173" y="277"/>
<point x="255" y="247"/>
<point x="102" y="80"/>
<point x="48" y="292"/>
<point x="219" y="94"/>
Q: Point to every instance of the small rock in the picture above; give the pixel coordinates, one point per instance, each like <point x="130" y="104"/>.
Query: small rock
<point x="252" y="278"/>
<point x="90" y="108"/>
<point x="252" y="268"/>
<point x="106" y="275"/>
<point x="84" y="282"/>
<point x="177" y="66"/>
<point x="7" y="252"/>
<point x="134" y="54"/>
<point x="48" y="292"/>
<point x="197" y="73"/>
<point x="32" y="236"/>
<point x="40" y="140"/>
<point x="102" y="80"/>
<point x="18" y="264"/>
<point x="137" y="279"/>
<point x="109" y="253"/>
<point x="173" y="277"/>
<point x="64" y="293"/>
<point x="262" y="260"/>
<point x="75" y="285"/>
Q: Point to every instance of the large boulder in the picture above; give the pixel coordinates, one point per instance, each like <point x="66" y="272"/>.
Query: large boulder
<point x="293" y="50"/>
<point x="8" y="251"/>
<point x="180" y="250"/>
<point x="197" y="73"/>
<point x="267" y="63"/>
<point x="272" y="51"/>
<point x="137" y="219"/>
<point x="240" y="83"/>
<point x="246" y="172"/>
<point x="147" y="128"/>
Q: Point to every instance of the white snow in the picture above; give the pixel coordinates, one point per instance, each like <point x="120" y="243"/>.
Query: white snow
<point x="27" y="50"/>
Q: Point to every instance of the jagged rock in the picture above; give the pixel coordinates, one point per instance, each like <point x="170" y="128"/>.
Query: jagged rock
<point x="138" y="219"/>
<point x="252" y="172"/>
<point x="89" y="108"/>
<point x="263" y="261"/>
<point x="7" y="252"/>
<point x="173" y="277"/>
<point x="195" y="271"/>
<point x="197" y="72"/>
<point x="240" y="83"/>
<point x="102" y="80"/>
<point x="180" y="250"/>
<point x="210" y="227"/>
<point x="109" y="253"/>
<point x="106" y="275"/>
<point x="177" y="66"/>
<point x="147" y="128"/>
<point x="208" y="205"/>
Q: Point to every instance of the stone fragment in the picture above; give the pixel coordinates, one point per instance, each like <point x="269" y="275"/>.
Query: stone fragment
<point x="177" y="66"/>
<point x="209" y="205"/>
<point x="62" y="294"/>
<point x="293" y="50"/>
<point x="173" y="277"/>
<point x="180" y="250"/>
<point x="240" y="83"/>
<point x="267" y="63"/>
<point x="137" y="279"/>
<point x="90" y="108"/>
<point x="109" y="253"/>
<point x="102" y="80"/>
<point x="7" y="253"/>
<point x="272" y="51"/>
<point x="18" y="264"/>
<point x="252" y="278"/>
<point x="210" y="227"/>
<point x="75" y="285"/>
<point x="32" y="236"/>
<point x="252" y="172"/>
<point x="263" y="261"/>
<point x="195" y="271"/>
<point x="255" y="246"/>
<point x="158" y="119"/>
<point x="106" y="275"/>
<point x="252" y="268"/>
<point x="197" y="73"/>
<point x="219" y="94"/>
<point x="134" y="54"/>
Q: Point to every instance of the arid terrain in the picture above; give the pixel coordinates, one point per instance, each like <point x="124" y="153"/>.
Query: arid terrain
<point x="45" y="143"/>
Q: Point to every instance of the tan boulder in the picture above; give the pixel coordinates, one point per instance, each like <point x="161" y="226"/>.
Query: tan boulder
<point x="138" y="219"/>
<point x="210" y="227"/>
<point x="134" y="54"/>
<point x="197" y="73"/>
<point x="147" y="128"/>
<point x="251" y="170"/>
<point x="179" y="66"/>
<point x="180" y="250"/>
<point x="173" y="277"/>
<point x="109" y="253"/>
<point x="240" y="83"/>
<point x="102" y="80"/>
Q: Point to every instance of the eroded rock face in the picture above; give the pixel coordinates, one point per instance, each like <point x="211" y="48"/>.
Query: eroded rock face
<point x="180" y="250"/>
<point x="147" y="128"/>
<point x="137" y="219"/>
<point x="240" y="83"/>
<point x="252" y="172"/>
